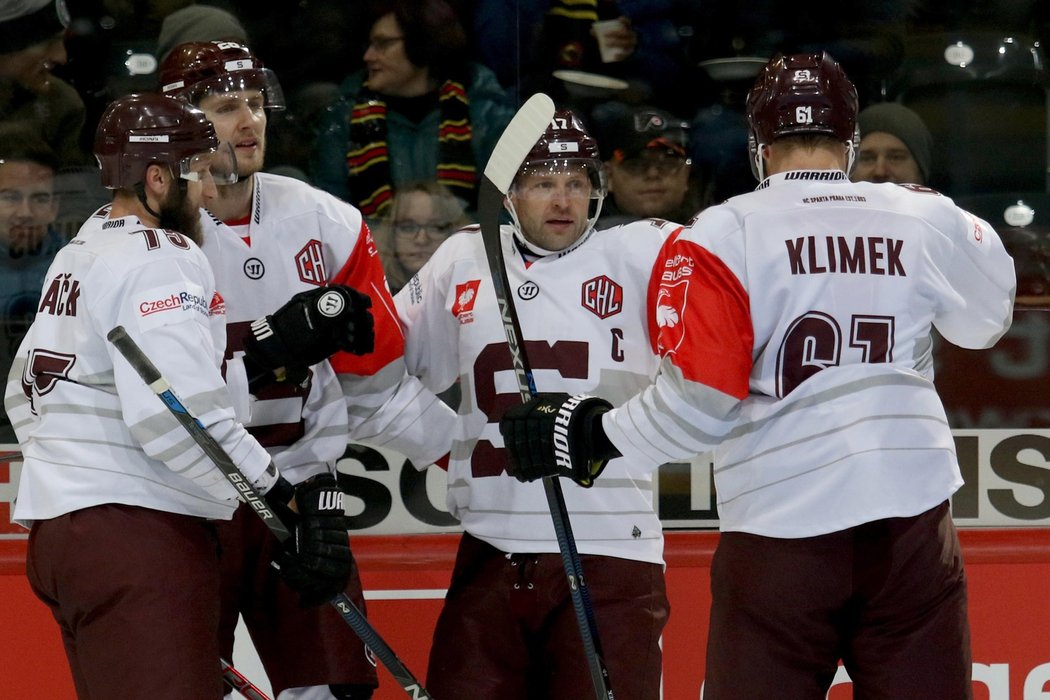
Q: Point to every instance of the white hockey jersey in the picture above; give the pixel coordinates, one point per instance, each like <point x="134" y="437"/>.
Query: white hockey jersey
<point x="583" y="328"/>
<point x="300" y="238"/>
<point x="90" y="430"/>
<point x="795" y="323"/>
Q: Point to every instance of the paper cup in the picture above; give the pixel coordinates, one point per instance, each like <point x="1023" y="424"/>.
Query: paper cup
<point x="602" y="31"/>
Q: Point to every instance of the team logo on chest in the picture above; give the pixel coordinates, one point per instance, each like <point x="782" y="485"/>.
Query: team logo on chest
<point x="601" y="296"/>
<point x="466" y="295"/>
<point x="528" y="290"/>
<point x="310" y="263"/>
<point x="254" y="268"/>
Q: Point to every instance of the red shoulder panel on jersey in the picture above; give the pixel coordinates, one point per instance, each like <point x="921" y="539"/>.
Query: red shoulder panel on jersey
<point x="700" y="317"/>
<point x="364" y="272"/>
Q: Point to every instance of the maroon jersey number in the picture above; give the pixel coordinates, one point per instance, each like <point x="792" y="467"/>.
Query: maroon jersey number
<point x="568" y="357"/>
<point x="814" y="342"/>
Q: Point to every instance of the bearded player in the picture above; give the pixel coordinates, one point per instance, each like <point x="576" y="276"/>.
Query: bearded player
<point x="269" y="237"/>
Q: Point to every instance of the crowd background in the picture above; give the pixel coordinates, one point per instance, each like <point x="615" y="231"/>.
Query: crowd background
<point x="974" y="72"/>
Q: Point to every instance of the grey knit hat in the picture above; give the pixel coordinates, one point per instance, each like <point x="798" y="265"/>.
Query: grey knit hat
<point x="896" y="119"/>
<point x="24" y="23"/>
<point x="198" y="23"/>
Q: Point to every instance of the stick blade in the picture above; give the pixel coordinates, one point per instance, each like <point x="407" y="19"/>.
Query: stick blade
<point x="517" y="140"/>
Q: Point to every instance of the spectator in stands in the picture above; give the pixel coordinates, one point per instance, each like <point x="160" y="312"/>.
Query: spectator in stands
<point x="28" y="239"/>
<point x="421" y="216"/>
<point x="31" y="44"/>
<point x="895" y="145"/>
<point x="198" y="23"/>
<point x="647" y="166"/>
<point x="418" y="111"/>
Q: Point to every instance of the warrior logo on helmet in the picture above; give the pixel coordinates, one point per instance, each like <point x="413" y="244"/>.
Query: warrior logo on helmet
<point x="801" y="94"/>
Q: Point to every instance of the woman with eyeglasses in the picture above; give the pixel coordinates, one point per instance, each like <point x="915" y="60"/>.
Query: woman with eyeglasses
<point x="421" y="216"/>
<point x="417" y="111"/>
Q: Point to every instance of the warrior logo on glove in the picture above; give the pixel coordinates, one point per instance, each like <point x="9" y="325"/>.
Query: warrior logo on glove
<point x="308" y="329"/>
<point x="331" y="304"/>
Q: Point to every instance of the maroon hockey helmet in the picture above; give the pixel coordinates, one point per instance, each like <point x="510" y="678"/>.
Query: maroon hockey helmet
<point x="565" y="143"/>
<point x="801" y="94"/>
<point x="138" y="130"/>
<point x="198" y="68"/>
<point x="565" y="146"/>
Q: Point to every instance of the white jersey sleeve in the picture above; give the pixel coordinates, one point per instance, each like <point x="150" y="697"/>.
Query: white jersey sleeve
<point x="794" y="325"/>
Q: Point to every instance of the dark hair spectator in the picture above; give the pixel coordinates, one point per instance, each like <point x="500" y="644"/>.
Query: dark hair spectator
<point x="418" y="111"/>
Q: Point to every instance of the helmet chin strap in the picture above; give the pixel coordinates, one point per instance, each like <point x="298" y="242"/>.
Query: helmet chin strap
<point x="140" y="190"/>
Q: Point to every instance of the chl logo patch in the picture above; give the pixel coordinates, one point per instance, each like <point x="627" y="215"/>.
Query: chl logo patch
<point x="602" y="297"/>
<point x="310" y="263"/>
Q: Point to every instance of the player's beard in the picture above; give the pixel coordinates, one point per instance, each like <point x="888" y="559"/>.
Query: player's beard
<point x="179" y="214"/>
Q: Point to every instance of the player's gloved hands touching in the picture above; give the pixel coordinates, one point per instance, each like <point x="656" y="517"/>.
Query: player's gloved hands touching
<point x="316" y="561"/>
<point x="555" y="435"/>
<point x="309" y="328"/>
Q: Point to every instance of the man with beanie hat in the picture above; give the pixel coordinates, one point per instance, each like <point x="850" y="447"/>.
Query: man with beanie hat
<point x="31" y="44"/>
<point x="198" y="23"/>
<point x="895" y="145"/>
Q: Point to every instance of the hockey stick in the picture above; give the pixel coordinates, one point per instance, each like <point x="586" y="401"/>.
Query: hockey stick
<point x="236" y="680"/>
<point x="514" y="144"/>
<point x="342" y="603"/>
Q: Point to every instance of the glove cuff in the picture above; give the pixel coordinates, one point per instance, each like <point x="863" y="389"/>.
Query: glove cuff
<point x="278" y="497"/>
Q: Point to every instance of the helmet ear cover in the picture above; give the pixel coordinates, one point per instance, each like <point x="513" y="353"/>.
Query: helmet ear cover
<point x="801" y="94"/>
<point x="139" y="130"/>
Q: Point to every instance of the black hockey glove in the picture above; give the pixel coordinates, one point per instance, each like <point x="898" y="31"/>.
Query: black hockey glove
<point x="554" y="435"/>
<point x="309" y="328"/>
<point x="316" y="562"/>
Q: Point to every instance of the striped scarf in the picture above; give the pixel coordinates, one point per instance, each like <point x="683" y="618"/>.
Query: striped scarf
<point x="368" y="157"/>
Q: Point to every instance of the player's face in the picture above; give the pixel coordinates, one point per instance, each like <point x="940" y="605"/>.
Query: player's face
<point x="31" y="67"/>
<point x="27" y="205"/>
<point x="389" y="70"/>
<point x="418" y="228"/>
<point x="883" y="157"/>
<point x="552" y="207"/>
<point x="651" y="184"/>
<point x="240" y="120"/>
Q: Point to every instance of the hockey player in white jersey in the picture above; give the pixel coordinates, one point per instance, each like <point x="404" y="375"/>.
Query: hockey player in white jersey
<point x="794" y="326"/>
<point x="120" y="501"/>
<point x="270" y="237"/>
<point x="507" y="625"/>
